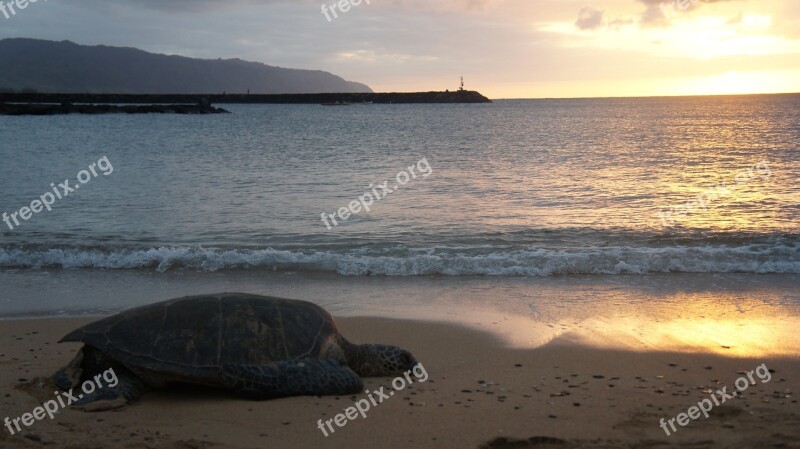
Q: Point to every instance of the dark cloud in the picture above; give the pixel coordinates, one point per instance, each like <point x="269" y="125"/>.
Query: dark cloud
<point x="187" y="6"/>
<point x="590" y="18"/>
<point x="191" y="6"/>
<point x="659" y="12"/>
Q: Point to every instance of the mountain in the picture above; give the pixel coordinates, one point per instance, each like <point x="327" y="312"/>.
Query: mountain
<point x="66" y="67"/>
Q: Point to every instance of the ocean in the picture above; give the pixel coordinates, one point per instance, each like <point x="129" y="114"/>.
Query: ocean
<point x="517" y="192"/>
<point x="517" y="188"/>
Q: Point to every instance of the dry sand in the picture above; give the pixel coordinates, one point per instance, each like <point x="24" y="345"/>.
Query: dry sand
<point x="480" y="394"/>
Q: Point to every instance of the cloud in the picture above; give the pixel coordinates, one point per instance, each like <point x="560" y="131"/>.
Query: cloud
<point x="735" y="20"/>
<point x="438" y="5"/>
<point x="590" y="18"/>
<point x="189" y="6"/>
<point x="616" y="24"/>
<point x="372" y="56"/>
<point x="684" y="5"/>
<point x="659" y="12"/>
<point x="192" y="6"/>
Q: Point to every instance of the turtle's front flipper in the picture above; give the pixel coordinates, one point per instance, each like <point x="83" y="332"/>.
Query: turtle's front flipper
<point x="127" y="388"/>
<point x="292" y="378"/>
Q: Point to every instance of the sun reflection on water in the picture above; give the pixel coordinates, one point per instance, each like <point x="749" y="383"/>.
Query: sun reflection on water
<point x="686" y="323"/>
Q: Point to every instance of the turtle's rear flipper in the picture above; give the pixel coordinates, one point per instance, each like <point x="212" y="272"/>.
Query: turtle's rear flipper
<point x="70" y="376"/>
<point x="307" y="377"/>
<point x="128" y="388"/>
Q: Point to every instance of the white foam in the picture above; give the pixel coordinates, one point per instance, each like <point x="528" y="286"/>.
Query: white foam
<point x="754" y="258"/>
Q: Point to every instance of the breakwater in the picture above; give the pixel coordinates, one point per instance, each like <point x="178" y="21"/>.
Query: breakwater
<point x="463" y="96"/>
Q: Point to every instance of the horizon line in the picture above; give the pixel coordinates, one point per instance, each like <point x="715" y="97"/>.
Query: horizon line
<point x="647" y="96"/>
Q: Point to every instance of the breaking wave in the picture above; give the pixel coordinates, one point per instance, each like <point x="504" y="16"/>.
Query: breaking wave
<point x="775" y="257"/>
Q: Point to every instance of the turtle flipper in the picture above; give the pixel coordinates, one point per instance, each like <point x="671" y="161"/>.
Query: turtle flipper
<point x="127" y="389"/>
<point x="70" y="376"/>
<point x="306" y="377"/>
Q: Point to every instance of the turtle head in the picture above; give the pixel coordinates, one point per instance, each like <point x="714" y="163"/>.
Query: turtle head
<point x="380" y="360"/>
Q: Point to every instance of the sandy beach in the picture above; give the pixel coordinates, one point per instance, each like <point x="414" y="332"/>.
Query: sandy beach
<point x="480" y="393"/>
<point x="537" y="223"/>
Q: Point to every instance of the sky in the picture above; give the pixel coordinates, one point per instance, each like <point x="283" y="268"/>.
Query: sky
<point x="502" y="48"/>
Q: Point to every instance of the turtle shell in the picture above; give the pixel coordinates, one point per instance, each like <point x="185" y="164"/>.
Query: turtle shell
<point x="193" y="337"/>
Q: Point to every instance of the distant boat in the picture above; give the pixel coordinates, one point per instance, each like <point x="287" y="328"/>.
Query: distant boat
<point x="336" y="103"/>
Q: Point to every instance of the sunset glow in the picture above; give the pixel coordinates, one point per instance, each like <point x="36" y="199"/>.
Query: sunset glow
<point x="503" y="48"/>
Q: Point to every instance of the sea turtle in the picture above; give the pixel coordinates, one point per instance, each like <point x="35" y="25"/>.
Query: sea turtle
<point x="259" y="347"/>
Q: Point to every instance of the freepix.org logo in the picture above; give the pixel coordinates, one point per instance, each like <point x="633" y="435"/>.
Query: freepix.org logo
<point x="10" y="8"/>
<point x="365" y="201"/>
<point x="706" y="405"/>
<point x="342" y="5"/>
<point x="63" y="400"/>
<point x="63" y="190"/>
<point x="362" y="406"/>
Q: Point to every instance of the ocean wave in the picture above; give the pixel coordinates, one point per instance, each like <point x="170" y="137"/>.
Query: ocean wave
<point x="751" y="258"/>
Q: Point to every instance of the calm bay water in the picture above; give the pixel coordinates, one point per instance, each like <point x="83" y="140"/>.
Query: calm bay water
<point x="518" y="188"/>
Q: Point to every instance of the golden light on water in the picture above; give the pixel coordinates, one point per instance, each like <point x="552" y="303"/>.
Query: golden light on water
<point x="719" y="196"/>
<point x="743" y="337"/>
<point x="701" y="324"/>
<point x="739" y="338"/>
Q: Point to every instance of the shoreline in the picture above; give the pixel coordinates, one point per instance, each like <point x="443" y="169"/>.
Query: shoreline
<point x="737" y="314"/>
<point x="480" y="390"/>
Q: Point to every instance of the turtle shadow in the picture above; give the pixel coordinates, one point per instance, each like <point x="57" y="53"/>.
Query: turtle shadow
<point x="189" y="393"/>
<point x="538" y="442"/>
<point x="44" y="389"/>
